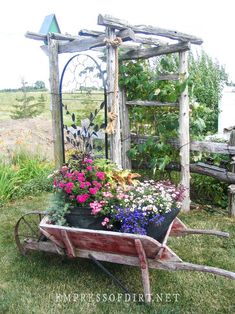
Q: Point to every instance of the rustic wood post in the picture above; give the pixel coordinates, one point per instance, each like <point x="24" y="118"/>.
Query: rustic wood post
<point x="231" y="188"/>
<point x="125" y="129"/>
<point x="115" y="139"/>
<point x="184" y="130"/>
<point x="57" y="127"/>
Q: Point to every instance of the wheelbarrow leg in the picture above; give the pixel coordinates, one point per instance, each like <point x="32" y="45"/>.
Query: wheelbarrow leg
<point x="107" y="272"/>
<point x="144" y="269"/>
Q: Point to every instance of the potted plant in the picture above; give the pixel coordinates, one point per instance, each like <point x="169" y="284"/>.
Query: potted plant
<point x="96" y="194"/>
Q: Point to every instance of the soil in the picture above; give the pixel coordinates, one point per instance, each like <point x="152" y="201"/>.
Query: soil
<point x="33" y="135"/>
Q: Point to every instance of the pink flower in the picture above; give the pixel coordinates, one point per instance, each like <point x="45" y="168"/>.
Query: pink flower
<point x="100" y="175"/>
<point x="68" y="175"/>
<point x="61" y="185"/>
<point x="96" y="207"/>
<point x="88" y="161"/>
<point x="82" y="198"/>
<point x="107" y="194"/>
<point x="105" y="221"/>
<point x="80" y="178"/>
<point x="82" y="185"/>
<point x="87" y="183"/>
<point x="68" y="187"/>
<point x="93" y="190"/>
<point x="89" y="168"/>
<point x="97" y="184"/>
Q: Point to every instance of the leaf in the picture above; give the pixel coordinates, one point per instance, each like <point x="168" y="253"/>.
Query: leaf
<point x="67" y="112"/>
<point x="102" y="105"/>
<point x="95" y="134"/>
<point x="103" y="126"/>
<point x="91" y="116"/>
<point x="73" y="117"/>
<point x="96" y="128"/>
<point x="78" y="133"/>
<point x="68" y="139"/>
<point x="74" y="126"/>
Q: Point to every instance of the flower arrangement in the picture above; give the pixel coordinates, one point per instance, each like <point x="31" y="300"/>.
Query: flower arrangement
<point x="124" y="203"/>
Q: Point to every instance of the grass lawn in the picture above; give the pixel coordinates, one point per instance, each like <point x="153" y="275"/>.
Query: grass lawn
<point x="43" y="283"/>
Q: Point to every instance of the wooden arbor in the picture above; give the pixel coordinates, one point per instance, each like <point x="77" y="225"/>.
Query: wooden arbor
<point x="135" y="35"/>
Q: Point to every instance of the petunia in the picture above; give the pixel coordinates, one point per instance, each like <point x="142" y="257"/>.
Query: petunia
<point x="82" y="198"/>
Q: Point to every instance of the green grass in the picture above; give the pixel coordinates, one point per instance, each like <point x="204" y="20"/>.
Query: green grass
<point x="8" y="99"/>
<point x="80" y="104"/>
<point x="40" y="282"/>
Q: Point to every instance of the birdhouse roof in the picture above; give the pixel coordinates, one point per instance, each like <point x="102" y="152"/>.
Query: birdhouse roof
<point x="50" y="25"/>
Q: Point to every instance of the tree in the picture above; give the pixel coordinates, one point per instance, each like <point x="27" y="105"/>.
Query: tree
<point x="28" y="106"/>
<point x="39" y="85"/>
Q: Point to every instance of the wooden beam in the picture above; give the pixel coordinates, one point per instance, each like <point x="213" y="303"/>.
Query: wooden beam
<point x="198" y="146"/>
<point x="154" y="51"/>
<point x="87" y="32"/>
<point x="37" y="36"/>
<point x="57" y="127"/>
<point x="110" y="21"/>
<point x="168" y="77"/>
<point x="231" y="189"/>
<point x="115" y="139"/>
<point x="92" y="42"/>
<point x="215" y="172"/>
<point x="125" y="130"/>
<point x="151" y="103"/>
<point x="184" y="132"/>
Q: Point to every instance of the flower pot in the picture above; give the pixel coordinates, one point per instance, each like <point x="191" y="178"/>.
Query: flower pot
<point x="81" y="217"/>
<point x="158" y="230"/>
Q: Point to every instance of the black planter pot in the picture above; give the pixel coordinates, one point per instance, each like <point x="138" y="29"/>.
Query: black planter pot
<point x="81" y="217"/>
<point x="158" y="231"/>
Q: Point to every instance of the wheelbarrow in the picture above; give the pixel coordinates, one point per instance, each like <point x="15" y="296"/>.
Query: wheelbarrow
<point x="33" y="231"/>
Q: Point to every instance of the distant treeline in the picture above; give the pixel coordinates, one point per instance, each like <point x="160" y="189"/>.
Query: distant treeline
<point x="37" y="86"/>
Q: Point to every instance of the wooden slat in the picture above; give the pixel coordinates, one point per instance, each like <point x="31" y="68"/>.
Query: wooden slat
<point x="154" y="51"/>
<point x="110" y="21"/>
<point x="144" y="269"/>
<point x="199" y="146"/>
<point x="168" y="77"/>
<point x="151" y="103"/>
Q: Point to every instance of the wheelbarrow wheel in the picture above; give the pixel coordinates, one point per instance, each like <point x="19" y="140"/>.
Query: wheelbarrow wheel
<point x="27" y="229"/>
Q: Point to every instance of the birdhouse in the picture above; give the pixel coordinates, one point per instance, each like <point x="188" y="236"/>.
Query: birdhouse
<point x="50" y="25"/>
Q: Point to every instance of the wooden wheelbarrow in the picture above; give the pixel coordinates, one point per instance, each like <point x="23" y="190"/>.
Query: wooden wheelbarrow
<point x="122" y="248"/>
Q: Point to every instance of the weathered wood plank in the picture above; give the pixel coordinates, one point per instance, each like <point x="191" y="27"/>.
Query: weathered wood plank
<point x="44" y="246"/>
<point x="184" y="138"/>
<point x="110" y="21"/>
<point x="216" y="172"/>
<point x="199" y="146"/>
<point x="87" y="32"/>
<point x="151" y="103"/>
<point x="231" y="190"/>
<point x="173" y="266"/>
<point x="154" y="51"/>
<point x="92" y="42"/>
<point x="144" y="269"/>
<point x="168" y="77"/>
<point x="57" y="127"/>
<point x="125" y="130"/>
<point x="113" y="98"/>
<point x="37" y="36"/>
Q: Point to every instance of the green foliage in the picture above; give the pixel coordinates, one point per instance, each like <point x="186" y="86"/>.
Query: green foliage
<point x="28" y="106"/>
<point x="208" y="78"/>
<point x="23" y="175"/>
<point x="57" y="209"/>
<point x="205" y="83"/>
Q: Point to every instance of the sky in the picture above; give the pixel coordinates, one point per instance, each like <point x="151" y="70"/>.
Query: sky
<point x="20" y="57"/>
